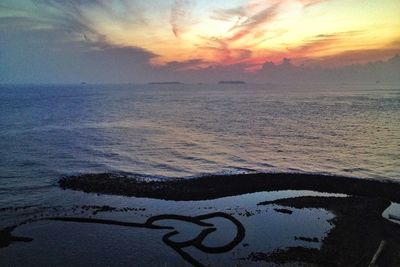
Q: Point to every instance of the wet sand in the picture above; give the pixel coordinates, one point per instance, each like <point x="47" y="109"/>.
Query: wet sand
<point x="358" y="226"/>
<point x="359" y="229"/>
<point x="355" y="234"/>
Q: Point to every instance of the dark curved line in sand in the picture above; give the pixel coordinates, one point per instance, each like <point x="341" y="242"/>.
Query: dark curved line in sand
<point x="212" y="187"/>
<point x="239" y="237"/>
<point x="6" y="237"/>
<point x="107" y="222"/>
<point x="190" y="219"/>
<point x="198" y="241"/>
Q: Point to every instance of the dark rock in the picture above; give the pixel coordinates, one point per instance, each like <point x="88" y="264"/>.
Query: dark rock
<point x="286" y="211"/>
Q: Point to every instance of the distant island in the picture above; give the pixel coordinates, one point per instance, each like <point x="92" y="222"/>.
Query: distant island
<point x="231" y="82"/>
<point x="165" y="83"/>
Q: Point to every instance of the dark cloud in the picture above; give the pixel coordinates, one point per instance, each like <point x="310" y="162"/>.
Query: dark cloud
<point x="48" y="56"/>
<point x="54" y="41"/>
<point x="286" y="72"/>
<point x="69" y="15"/>
<point x="191" y="64"/>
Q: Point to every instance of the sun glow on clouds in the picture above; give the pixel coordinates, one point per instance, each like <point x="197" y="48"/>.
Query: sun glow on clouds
<point x="203" y="33"/>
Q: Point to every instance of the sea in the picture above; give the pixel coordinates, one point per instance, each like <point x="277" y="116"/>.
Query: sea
<point x="165" y="131"/>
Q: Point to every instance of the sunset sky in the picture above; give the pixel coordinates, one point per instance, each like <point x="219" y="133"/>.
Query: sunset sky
<point x="190" y="34"/>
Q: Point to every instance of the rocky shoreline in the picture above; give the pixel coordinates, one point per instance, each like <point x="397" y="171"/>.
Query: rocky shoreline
<point x="358" y="226"/>
<point x="212" y="187"/>
<point x="358" y="231"/>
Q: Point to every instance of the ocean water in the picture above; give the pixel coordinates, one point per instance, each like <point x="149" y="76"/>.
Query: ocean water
<point x="165" y="131"/>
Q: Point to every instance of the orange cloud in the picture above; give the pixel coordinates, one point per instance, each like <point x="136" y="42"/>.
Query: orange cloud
<point x="251" y="24"/>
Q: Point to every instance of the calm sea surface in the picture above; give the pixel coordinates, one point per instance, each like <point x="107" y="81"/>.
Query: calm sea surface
<point x="163" y="131"/>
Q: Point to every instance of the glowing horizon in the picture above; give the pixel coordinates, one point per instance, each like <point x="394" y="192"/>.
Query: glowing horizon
<point x="247" y="32"/>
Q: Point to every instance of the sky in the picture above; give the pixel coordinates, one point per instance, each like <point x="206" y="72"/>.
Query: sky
<point x="140" y="41"/>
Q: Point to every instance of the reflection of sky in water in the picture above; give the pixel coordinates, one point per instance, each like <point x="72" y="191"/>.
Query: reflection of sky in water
<point x="394" y="210"/>
<point x="189" y="130"/>
<point x="266" y="229"/>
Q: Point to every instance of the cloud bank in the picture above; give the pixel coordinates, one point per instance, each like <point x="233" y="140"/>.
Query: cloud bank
<point x="193" y="41"/>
